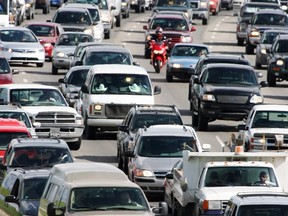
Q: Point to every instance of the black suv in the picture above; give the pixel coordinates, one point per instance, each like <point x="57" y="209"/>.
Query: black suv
<point x="277" y="60"/>
<point x="21" y="191"/>
<point x="226" y="92"/>
<point x="214" y="58"/>
<point x="140" y="116"/>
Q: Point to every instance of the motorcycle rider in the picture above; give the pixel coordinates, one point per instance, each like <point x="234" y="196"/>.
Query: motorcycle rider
<point x="158" y="37"/>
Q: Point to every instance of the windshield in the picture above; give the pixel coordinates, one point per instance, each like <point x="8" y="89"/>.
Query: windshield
<point x="240" y="176"/>
<point x="107" y="199"/>
<point x="263" y="209"/>
<point x="17" y="36"/>
<point x="281" y="46"/>
<point x="169" y="3"/>
<point x="189" y="51"/>
<point x="73" y="39"/>
<point x="72" y="18"/>
<point x="42" y="30"/>
<point x="229" y="76"/>
<point x="6" y="137"/>
<point x="33" y="188"/>
<point x="268" y="38"/>
<point x="78" y="77"/>
<point x="94" y="14"/>
<point x="270" y="119"/>
<point x="165" y="146"/>
<point x="170" y="24"/>
<point x="110" y="57"/>
<point x="20" y="116"/>
<point x="121" y="84"/>
<point x="3" y="7"/>
<point x="39" y="156"/>
<point x="37" y="97"/>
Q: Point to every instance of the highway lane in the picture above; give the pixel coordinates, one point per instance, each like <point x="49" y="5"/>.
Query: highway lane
<point x="219" y="34"/>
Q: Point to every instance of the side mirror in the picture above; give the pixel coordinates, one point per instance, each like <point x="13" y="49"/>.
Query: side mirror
<point x="123" y="128"/>
<point x="77" y="63"/>
<point x="259" y="74"/>
<point x="61" y="80"/>
<point x="129" y="153"/>
<point x="264" y="84"/>
<point x="268" y="50"/>
<point x="157" y="90"/>
<point x="161" y="210"/>
<point x="53" y="43"/>
<point x="242" y="127"/>
<point x="193" y="28"/>
<point x="11" y="199"/>
<point x="15" y="71"/>
<point x="84" y="89"/>
<point x="145" y="27"/>
<point x="169" y="175"/>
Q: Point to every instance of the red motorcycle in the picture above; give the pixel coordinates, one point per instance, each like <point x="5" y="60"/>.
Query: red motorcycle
<point x="158" y="54"/>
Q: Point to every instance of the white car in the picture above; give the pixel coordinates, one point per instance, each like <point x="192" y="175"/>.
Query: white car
<point x="20" y="45"/>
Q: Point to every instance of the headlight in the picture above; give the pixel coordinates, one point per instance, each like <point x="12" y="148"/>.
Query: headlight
<point x="124" y="3"/>
<point x="257" y="140"/>
<point x="254" y="34"/>
<point x="27" y="6"/>
<point x="255" y="99"/>
<point x="263" y="51"/>
<point x="211" y="205"/>
<point x="79" y="120"/>
<point x="60" y="54"/>
<point x="279" y="62"/>
<point x="158" y="51"/>
<point x="176" y="65"/>
<point x="88" y="31"/>
<point x="143" y="173"/>
<point x="97" y="108"/>
<point x="212" y="2"/>
<point x="208" y="97"/>
<point x="9" y="50"/>
<point x="203" y="4"/>
<point x="186" y="39"/>
<point x="186" y="14"/>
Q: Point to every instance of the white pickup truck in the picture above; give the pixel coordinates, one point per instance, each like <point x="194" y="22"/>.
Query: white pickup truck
<point x="207" y="180"/>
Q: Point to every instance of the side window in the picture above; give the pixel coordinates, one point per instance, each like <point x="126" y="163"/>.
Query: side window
<point x="248" y="121"/>
<point x="8" y="182"/>
<point x="63" y="201"/>
<point x="52" y="190"/>
<point x="128" y="122"/>
<point x="15" y="188"/>
<point x="3" y="95"/>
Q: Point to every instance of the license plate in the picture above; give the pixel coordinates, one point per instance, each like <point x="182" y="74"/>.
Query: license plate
<point x="54" y="132"/>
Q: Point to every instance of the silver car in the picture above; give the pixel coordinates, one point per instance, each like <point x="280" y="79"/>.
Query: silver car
<point x="20" y="45"/>
<point x="65" y="45"/>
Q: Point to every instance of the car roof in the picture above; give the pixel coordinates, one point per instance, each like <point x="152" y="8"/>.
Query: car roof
<point x="191" y="44"/>
<point x="48" y="142"/>
<point x="270" y="11"/>
<point x="261" y="3"/>
<point x="109" y="48"/>
<point x="229" y="65"/>
<point x="155" y="108"/>
<point x="31" y="173"/>
<point x="15" y="28"/>
<point x="168" y="130"/>
<point x="43" y="24"/>
<point x="74" y="33"/>
<point x="80" y="67"/>
<point x="259" y="197"/>
<point x="10" y="106"/>
<point x="166" y="15"/>
<point x="80" y="5"/>
<point x="118" y="69"/>
<point x="275" y="30"/>
<point x="74" y="9"/>
<point x="282" y="37"/>
<point x="27" y="86"/>
<point x="271" y="107"/>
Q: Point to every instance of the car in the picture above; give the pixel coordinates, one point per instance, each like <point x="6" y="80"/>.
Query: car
<point x="71" y="84"/>
<point x="6" y="73"/>
<point x="15" y="111"/>
<point x="44" y="5"/>
<point x="214" y="58"/>
<point x="66" y="44"/>
<point x="255" y="203"/>
<point x="46" y="105"/>
<point x="138" y="5"/>
<point x="20" y="45"/>
<point x="201" y="10"/>
<point x="168" y="21"/>
<point x="47" y="33"/>
<point x="98" y="27"/>
<point x="57" y="3"/>
<point x="226" y="92"/>
<point x="21" y="191"/>
<point x="277" y="70"/>
<point x="125" y="9"/>
<point x="244" y="16"/>
<point x="228" y="4"/>
<point x="154" y="151"/>
<point x="265" y="43"/>
<point x="10" y="129"/>
<point x="265" y="128"/>
<point x="30" y="9"/>
<point x="106" y="54"/>
<point x="261" y="21"/>
<point x="215" y="7"/>
<point x="142" y="116"/>
<point x="19" y="6"/>
<point x="101" y="109"/>
<point x="182" y="60"/>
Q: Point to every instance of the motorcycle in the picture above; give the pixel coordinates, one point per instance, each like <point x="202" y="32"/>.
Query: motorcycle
<point x="158" y="54"/>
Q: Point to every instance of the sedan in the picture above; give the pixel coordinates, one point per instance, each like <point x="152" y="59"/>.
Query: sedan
<point x="65" y="45"/>
<point x="183" y="59"/>
<point x="6" y="73"/>
<point x="47" y="33"/>
<point x="71" y="84"/>
<point x="20" y="45"/>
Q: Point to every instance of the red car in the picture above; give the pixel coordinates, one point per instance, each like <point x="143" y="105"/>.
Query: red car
<point x="215" y="6"/>
<point x="5" y="71"/>
<point x="47" y="33"/>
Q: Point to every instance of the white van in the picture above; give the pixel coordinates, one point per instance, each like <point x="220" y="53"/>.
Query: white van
<point x="90" y="188"/>
<point x="110" y="91"/>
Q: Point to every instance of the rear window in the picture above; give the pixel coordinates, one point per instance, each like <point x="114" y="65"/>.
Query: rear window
<point x="6" y="137"/>
<point x="4" y="66"/>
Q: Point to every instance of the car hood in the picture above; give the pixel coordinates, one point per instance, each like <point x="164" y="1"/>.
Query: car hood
<point x="75" y="28"/>
<point x="36" y="109"/>
<point x="64" y="49"/>
<point x="233" y="90"/>
<point x="72" y="88"/>
<point x="113" y="213"/>
<point x="214" y="193"/>
<point x="156" y="164"/>
<point x="268" y="131"/>
<point x="19" y="45"/>
<point x="187" y="62"/>
<point x="123" y="99"/>
<point x="29" y="207"/>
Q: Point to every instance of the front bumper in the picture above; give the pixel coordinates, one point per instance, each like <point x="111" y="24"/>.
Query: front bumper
<point x="104" y="124"/>
<point x="61" y="63"/>
<point x="184" y="73"/>
<point x="150" y="185"/>
<point x="254" y="40"/>
<point x="25" y="57"/>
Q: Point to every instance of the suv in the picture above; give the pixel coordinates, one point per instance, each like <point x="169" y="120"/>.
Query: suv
<point x="277" y="67"/>
<point x="110" y="91"/>
<point x="266" y="128"/>
<point x="142" y="116"/>
<point x="201" y="10"/>
<point x="46" y="105"/>
<point x="257" y="203"/>
<point x="155" y="150"/>
<point x="21" y="191"/>
<point x="261" y="21"/>
<point x="213" y="58"/>
<point x="244" y="16"/>
<point x="226" y="92"/>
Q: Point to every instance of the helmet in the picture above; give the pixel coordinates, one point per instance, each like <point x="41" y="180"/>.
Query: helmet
<point x="159" y="32"/>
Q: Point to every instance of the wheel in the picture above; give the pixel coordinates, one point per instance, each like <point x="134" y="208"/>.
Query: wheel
<point x="45" y="10"/>
<point x="202" y="121"/>
<point x="142" y="9"/>
<point x="240" y="42"/>
<point x="75" y="145"/>
<point x="39" y="64"/>
<point x="118" y="20"/>
<point x="271" y="79"/>
<point x="204" y="21"/>
<point x="249" y="49"/>
<point x="107" y="35"/>
<point x="147" y="53"/>
<point x="169" y="77"/>
<point x="90" y="133"/>
<point x="157" y="66"/>
<point x="258" y="65"/>
<point x="194" y="116"/>
<point x="29" y="15"/>
<point x="138" y="9"/>
<point x="54" y="70"/>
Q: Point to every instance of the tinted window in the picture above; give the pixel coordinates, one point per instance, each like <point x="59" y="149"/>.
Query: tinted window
<point x="107" y="58"/>
<point x="33" y="188"/>
<point x="43" y="31"/>
<point x="267" y="209"/>
<point x="17" y="36"/>
<point x="270" y="19"/>
<point x="4" y="66"/>
<point x="189" y="51"/>
<point x="169" y="24"/>
<point x="73" y="39"/>
<point x="78" y="77"/>
<point x="270" y="119"/>
<point x="20" y="116"/>
<point x="72" y="17"/>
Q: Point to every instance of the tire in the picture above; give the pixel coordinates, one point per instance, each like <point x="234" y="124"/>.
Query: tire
<point x="240" y="42"/>
<point x="39" y="64"/>
<point x="258" y="65"/>
<point x="195" y="117"/>
<point x="128" y="13"/>
<point x="107" y="35"/>
<point x="45" y="10"/>
<point x="118" y="20"/>
<point x="120" y="161"/>
<point x="75" y="145"/>
<point x="249" y="49"/>
<point x="204" y="21"/>
<point x="147" y="53"/>
<point x="142" y="9"/>
<point x="90" y="133"/>
<point x="271" y="79"/>
<point x="157" y="66"/>
<point x="202" y="122"/>
<point x="138" y="9"/>
<point x="54" y="70"/>
<point x="169" y="77"/>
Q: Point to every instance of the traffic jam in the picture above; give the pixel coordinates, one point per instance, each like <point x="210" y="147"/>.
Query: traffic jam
<point x="143" y="107"/>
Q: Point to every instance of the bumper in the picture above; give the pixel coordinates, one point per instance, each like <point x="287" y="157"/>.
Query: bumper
<point x="241" y="34"/>
<point x="61" y="63"/>
<point x="254" y="41"/>
<point x="279" y="72"/>
<point x="201" y="14"/>
<point x="150" y="185"/>
<point x="107" y="27"/>
<point x="106" y="124"/>
<point x="263" y="58"/>
<point x="226" y="112"/>
<point x="37" y="57"/>
<point x="184" y="73"/>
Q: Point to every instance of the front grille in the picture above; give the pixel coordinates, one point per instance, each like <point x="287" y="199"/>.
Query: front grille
<point x="55" y="118"/>
<point x="160" y="175"/>
<point x="73" y="29"/>
<point x="117" y="111"/>
<point x="23" y="59"/>
<point x="270" y="138"/>
<point x="234" y="99"/>
<point x="23" y="51"/>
